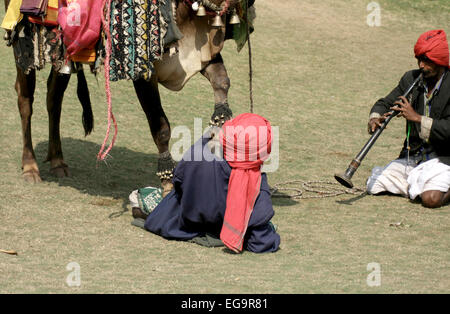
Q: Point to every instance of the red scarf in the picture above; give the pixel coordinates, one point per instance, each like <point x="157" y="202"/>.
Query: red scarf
<point x="80" y="21"/>
<point x="246" y="142"/>
<point x="433" y="44"/>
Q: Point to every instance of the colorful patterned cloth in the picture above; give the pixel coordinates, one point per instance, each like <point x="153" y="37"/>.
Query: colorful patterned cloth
<point x="34" y="7"/>
<point x="51" y="16"/>
<point x="137" y="31"/>
<point x="39" y="46"/>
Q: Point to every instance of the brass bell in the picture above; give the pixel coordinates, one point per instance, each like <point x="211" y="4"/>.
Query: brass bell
<point x="235" y="18"/>
<point x="66" y="68"/>
<point x="7" y="35"/>
<point x="201" y="10"/>
<point x="217" y="21"/>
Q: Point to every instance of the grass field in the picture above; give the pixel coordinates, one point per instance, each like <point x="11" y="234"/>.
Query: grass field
<point x="318" y="69"/>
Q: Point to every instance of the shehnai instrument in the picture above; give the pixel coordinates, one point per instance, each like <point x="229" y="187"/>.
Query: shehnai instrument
<point x="346" y="178"/>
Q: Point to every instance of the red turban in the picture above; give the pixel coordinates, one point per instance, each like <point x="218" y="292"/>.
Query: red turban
<point x="433" y="44"/>
<point x="246" y="142"/>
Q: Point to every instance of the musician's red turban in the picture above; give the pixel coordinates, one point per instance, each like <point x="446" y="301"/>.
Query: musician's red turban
<point x="246" y="142"/>
<point x="433" y="44"/>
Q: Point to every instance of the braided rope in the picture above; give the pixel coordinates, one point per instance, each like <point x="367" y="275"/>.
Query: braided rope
<point x="250" y="67"/>
<point x="323" y="188"/>
<point x="102" y="154"/>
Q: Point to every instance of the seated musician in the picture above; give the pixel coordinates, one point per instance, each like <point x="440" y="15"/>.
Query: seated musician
<point x="221" y="193"/>
<point x="422" y="169"/>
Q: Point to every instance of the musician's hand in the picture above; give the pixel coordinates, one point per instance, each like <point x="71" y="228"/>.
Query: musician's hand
<point x="406" y="110"/>
<point x="375" y="123"/>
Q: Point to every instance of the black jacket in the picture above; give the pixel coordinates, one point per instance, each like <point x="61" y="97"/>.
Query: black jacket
<point x="439" y="140"/>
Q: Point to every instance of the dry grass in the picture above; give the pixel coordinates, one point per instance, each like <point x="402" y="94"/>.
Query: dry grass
<point x="318" y="68"/>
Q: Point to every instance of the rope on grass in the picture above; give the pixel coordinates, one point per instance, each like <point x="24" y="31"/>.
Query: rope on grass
<point x="295" y="189"/>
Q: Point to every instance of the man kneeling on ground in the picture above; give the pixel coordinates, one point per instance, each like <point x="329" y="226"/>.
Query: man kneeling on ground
<point x="222" y="194"/>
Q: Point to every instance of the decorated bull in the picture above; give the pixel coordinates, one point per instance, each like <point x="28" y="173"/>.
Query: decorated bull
<point x="150" y="42"/>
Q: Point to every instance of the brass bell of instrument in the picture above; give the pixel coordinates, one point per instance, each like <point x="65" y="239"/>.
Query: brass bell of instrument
<point x="217" y="21"/>
<point x="235" y="18"/>
<point x="201" y="10"/>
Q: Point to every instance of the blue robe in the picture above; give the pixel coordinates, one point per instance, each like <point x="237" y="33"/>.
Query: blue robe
<point x="197" y="203"/>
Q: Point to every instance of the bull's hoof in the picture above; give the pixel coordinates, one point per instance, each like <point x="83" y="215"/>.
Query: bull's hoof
<point x="60" y="171"/>
<point x="166" y="165"/>
<point x="222" y="113"/>
<point x="31" y="176"/>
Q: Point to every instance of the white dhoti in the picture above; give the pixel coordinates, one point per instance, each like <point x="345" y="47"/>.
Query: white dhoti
<point x="410" y="180"/>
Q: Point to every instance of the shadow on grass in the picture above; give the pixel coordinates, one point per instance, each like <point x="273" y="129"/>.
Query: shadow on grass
<point x="353" y="199"/>
<point x="125" y="171"/>
<point x="283" y="199"/>
<point x="361" y="196"/>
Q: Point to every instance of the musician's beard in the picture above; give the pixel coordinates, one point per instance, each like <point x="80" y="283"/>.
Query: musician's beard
<point x="428" y="74"/>
<point x="431" y="77"/>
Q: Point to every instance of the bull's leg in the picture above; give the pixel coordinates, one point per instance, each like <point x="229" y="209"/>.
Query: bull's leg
<point x="217" y="75"/>
<point x="148" y="95"/>
<point x="56" y="86"/>
<point x="25" y="86"/>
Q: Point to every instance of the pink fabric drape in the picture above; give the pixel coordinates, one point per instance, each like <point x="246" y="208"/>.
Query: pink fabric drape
<point x="246" y="142"/>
